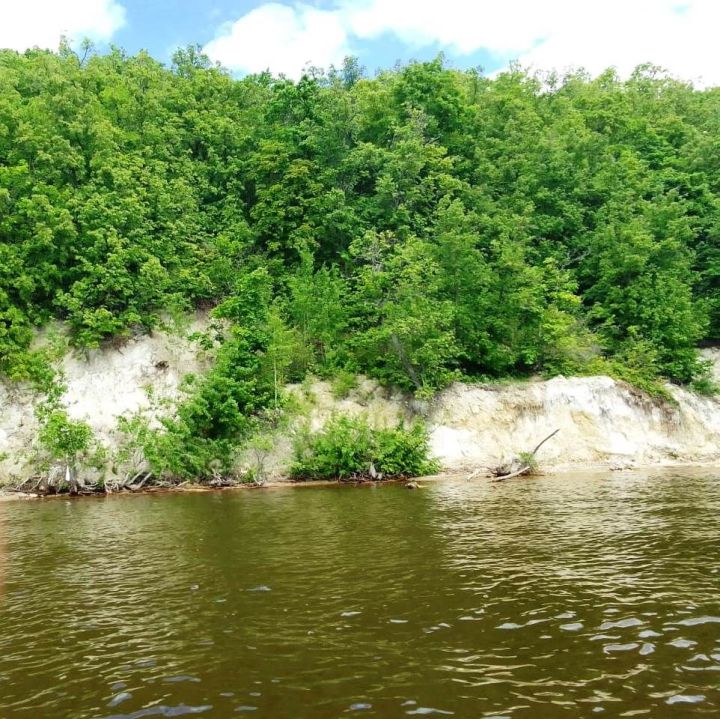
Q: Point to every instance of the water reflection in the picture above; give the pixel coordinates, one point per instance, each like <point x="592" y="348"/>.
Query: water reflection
<point x="550" y="597"/>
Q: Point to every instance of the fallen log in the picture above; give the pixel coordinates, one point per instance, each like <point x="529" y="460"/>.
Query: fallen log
<point x="527" y="465"/>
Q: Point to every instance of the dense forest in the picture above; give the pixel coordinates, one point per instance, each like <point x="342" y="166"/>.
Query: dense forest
<point x="419" y="226"/>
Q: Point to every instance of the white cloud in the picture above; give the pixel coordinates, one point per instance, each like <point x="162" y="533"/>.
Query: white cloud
<point x="548" y="34"/>
<point x="556" y="34"/>
<point x="462" y="26"/>
<point x="626" y="34"/>
<point x="282" y="38"/>
<point x="41" y="23"/>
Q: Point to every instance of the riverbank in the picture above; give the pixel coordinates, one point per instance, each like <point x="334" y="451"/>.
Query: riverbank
<point x="602" y="423"/>
<point x="676" y="471"/>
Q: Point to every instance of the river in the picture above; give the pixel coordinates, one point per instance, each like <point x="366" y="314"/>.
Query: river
<point x="563" y="596"/>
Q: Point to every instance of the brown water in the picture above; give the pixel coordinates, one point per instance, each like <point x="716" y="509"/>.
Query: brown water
<point x="555" y="597"/>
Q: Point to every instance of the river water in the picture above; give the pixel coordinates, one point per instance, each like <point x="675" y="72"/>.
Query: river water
<point x="580" y="596"/>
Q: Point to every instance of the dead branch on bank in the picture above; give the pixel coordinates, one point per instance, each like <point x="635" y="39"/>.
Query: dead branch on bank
<point x="523" y="464"/>
<point x="527" y="461"/>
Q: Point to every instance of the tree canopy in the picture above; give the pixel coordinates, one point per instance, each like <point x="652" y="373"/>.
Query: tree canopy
<point x="417" y="226"/>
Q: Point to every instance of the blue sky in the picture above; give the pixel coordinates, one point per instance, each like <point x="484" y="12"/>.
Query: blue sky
<point x="285" y="35"/>
<point x="161" y="25"/>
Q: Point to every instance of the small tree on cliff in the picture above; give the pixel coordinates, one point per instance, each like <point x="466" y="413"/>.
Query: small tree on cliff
<point x="66" y="442"/>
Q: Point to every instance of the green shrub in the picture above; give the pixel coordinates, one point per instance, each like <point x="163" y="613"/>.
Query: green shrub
<point x="349" y="446"/>
<point x="218" y="410"/>
<point x="528" y="459"/>
<point x="343" y="383"/>
<point x="704" y="383"/>
<point x="64" y="439"/>
<point x="636" y="364"/>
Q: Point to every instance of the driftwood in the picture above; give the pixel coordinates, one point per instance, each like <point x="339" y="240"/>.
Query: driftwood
<point x="516" y="473"/>
<point x="515" y="468"/>
<point x="527" y="466"/>
<point x="129" y="481"/>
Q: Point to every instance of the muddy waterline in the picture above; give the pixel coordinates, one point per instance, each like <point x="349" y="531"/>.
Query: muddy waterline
<point x="567" y="596"/>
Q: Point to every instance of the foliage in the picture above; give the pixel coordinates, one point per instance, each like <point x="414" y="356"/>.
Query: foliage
<point x="200" y="438"/>
<point x="705" y="383"/>
<point x="418" y="226"/>
<point x="528" y="459"/>
<point x="349" y="446"/>
<point x="65" y="438"/>
<point x="637" y="365"/>
<point x="61" y="443"/>
<point x="343" y="382"/>
<point x="259" y="447"/>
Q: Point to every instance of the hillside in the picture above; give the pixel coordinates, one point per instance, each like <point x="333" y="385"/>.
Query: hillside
<point x="423" y="227"/>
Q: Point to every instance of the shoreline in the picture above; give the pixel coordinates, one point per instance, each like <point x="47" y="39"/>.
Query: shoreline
<point x="602" y="423"/>
<point x="689" y="468"/>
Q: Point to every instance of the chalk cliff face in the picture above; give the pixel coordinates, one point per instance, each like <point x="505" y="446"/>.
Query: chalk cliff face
<point x="602" y="423"/>
<point x="102" y="385"/>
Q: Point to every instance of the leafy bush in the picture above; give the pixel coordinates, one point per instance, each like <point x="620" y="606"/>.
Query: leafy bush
<point x="216" y="414"/>
<point x="349" y="446"/>
<point x="528" y="459"/>
<point x="705" y="383"/>
<point x="342" y="383"/>
<point x="636" y="364"/>
<point x="65" y="440"/>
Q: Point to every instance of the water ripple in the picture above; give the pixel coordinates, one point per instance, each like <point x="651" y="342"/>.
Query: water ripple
<point x="550" y="597"/>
